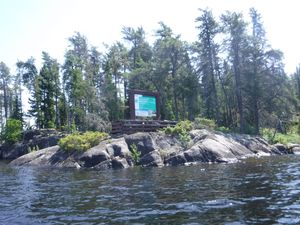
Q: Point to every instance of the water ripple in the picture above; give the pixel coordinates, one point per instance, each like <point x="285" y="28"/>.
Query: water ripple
<point x="254" y="191"/>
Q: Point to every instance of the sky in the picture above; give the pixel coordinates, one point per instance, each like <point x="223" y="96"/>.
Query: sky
<point x="28" y="27"/>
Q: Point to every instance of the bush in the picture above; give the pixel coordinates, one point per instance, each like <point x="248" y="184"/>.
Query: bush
<point x="201" y="123"/>
<point x="223" y="129"/>
<point x="12" y="131"/>
<point x="81" y="142"/>
<point x="268" y="134"/>
<point x="180" y="128"/>
<point x="184" y="139"/>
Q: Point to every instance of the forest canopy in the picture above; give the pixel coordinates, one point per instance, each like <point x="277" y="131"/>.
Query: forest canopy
<point x="229" y="74"/>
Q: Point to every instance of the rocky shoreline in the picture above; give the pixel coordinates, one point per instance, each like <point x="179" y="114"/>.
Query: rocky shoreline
<point x="158" y="149"/>
<point x="32" y="140"/>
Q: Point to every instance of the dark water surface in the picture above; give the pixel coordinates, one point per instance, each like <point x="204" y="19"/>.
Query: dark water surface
<point x="256" y="191"/>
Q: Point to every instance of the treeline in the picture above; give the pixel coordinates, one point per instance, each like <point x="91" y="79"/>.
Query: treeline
<point x="230" y="74"/>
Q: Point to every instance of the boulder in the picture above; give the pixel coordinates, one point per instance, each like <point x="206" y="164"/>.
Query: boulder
<point x="103" y="165"/>
<point x="94" y="156"/>
<point x="294" y="149"/>
<point x="32" y="140"/>
<point x="37" y="158"/>
<point x="166" y="142"/>
<point x="255" y="144"/>
<point x="13" y="151"/>
<point x="157" y="149"/>
<point x="119" y="163"/>
<point x="197" y="154"/>
<point x="212" y="147"/>
<point x="152" y="159"/>
<point x="229" y="147"/>
<point x="143" y="141"/>
<point x="174" y="160"/>
<point x="281" y="148"/>
<point x="118" y="147"/>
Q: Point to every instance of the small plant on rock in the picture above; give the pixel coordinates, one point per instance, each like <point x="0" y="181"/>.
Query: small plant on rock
<point x="184" y="139"/>
<point x="136" y="154"/>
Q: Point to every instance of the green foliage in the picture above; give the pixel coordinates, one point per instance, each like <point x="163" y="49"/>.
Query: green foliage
<point x="81" y="142"/>
<point x="12" y="131"/>
<point x="223" y="129"/>
<point x="273" y="138"/>
<point x="73" y="128"/>
<point x="50" y="124"/>
<point x="180" y="128"/>
<point x="184" y="139"/>
<point x="17" y="109"/>
<point x="268" y="134"/>
<point x="287" y="138"/>
<point x="201" y="123"/>
<point x="249" y="129"/>
<point x="208" y="50"/>
<point x="136" y="154"/>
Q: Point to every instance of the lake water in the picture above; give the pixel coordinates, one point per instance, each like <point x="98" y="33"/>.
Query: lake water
<point x="255" y="191"/>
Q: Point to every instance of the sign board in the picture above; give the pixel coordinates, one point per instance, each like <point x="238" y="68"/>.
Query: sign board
<point x="143" y="105"/>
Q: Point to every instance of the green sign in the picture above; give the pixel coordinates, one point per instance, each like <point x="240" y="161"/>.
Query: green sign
<point x="145" y="106"/>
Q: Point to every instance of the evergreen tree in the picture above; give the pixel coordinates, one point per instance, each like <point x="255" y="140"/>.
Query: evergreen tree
<point x="235" y="27"/>
<point x="257" y="52"/>
<point x="49" y="90"/>
<point x="80" y="82"/>
<point x="5" y="80"/>
<point x="172" y="68"/>
<point x="114" y="65"/>
<point x="26" y="75"/>
<point x="139" y="56"/>
<point x="207" y="63"/>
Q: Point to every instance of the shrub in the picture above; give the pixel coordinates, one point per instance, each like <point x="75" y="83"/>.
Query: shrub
<point x="201" y="123"/>
<point x="184" y="139"/>
<point x="273" y="138"/>
<point x="223" y="129"/>
<point x="81" y="142"/>
<point x="180" y="128"/>
<point x="136" y="154"/>
<point x="12" y="131"/>
<point x="268" y="134"/>
<point x="50" y="124"/>
<point x="279" y="138"/>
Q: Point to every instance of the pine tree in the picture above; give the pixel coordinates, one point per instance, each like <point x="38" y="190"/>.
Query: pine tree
<point x="207" y="62"/>
<point x="5" y="80"/>
<point x="235" y="27"/>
